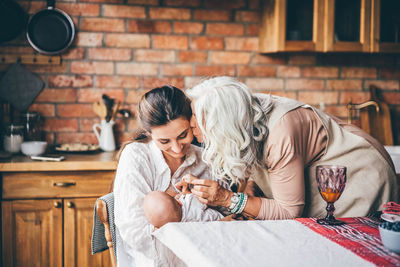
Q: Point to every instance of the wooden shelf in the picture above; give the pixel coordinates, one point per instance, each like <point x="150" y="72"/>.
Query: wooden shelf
<point x="31" y="59"/>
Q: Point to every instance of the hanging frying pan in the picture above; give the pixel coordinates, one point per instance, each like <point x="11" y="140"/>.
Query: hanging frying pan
<point x="50" y="31"/>
<point x="12" y="20"/>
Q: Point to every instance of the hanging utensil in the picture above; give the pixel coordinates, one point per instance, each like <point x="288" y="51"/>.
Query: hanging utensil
<point x="115" y="110"/>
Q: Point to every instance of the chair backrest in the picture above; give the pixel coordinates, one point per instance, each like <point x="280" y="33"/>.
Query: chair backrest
<point x="103" y="234"/>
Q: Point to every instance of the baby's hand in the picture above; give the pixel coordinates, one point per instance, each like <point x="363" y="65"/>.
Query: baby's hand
<point x="184" y="185"/>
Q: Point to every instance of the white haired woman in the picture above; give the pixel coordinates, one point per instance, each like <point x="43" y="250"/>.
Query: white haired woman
<point x="277" y="143"/>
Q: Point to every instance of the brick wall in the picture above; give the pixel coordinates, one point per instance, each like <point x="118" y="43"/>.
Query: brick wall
<point x="125" y="47"/>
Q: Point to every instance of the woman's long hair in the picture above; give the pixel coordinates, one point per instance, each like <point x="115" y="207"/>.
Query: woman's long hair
<point x="233" y="123"/>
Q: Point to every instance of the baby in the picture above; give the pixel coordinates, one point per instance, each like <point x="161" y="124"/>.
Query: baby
<point x="161" y="208"/>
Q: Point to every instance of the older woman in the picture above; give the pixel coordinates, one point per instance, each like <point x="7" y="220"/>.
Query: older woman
<point x="278" y="142"/>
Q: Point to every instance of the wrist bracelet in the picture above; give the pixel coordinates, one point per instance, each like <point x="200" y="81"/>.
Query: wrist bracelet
<point x="246" y="197"/>
<point x="239" y="204"/>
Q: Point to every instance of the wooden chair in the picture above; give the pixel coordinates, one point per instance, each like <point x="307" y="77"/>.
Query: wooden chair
<point x="101" y="208"/>
<point x="374" y="118"/>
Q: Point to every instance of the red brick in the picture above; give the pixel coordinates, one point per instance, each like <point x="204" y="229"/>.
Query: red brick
<point x="177" y="70"/>
<point x="60" y="125"/>
<point x="392" y="98"/>
<point x="102" y="25"/>
<point x="264" y="83"/>
<point x="192" y="81"/>
<point x="105" y="1"/>
<point x="247" y="16"/>
<point x="315" y="98"/>
<point x="86" y="124"/>
<point x="269" y="59"/>
<point x="320" y="72"/>
<point x="134" y="96"/>
<point x="202" y="70"/>
<point x="144" y="2"/>
<point x="81" y="9"/>
<point x="357" y="72"/>
<point x="128" y="40"/>
<point x="89" y="39"/>
<point x="137" y="69"/>
<point x="36" y="6"/>
<point x="57" y="95"/>
<point x="344" y="84"/>
<point x="149" y="26"/>
<point x="353" y="97"/>
<point x="304" y="84"/>
<point x="183" y="3"/>
<point x="241" y="44"/>
<point x="95" y="94"/>
<point x="85" y="137"/>
<point x="45" y="110"/>
<point x="74" y="53"/>
<point x="70" y="81"/>
<point x="338" y="111"/>
<point x="292" y="95"/>
<point x="74" y="110"/>
<point x="228" y="29"/>
<point x="192" y="56"/>
<point x="153" y="82"/>
<point x="230" y="58"/>
<point x="389" y="73"/>
<point x="254" y="4"/>
<point x="92" y="67"/>
<point x="124" y="11"/>
<point x="117" y="82"/>
<point x="385" y="85"/>
<point x="170" y="42"/>
<point x="206" y="43"/>
<point x="302" y="60"/>
<point x="48" y="68"/>
<point x="114" y="54"/>
<point x="169" y="13"/>
<point x="188" y="27"/>
<point x="252" y="29"/>
<point x="206" y="14"/>
<point x="256" y="71"/>
<point x="288" y="71"/>
<point x="150" y="55"/>
<point x="226" y="4"/>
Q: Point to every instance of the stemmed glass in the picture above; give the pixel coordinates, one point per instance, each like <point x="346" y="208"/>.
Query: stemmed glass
<point x="331" y="180"/>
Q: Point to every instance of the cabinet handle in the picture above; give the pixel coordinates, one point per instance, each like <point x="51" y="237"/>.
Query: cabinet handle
<point x="57" y="204"/>
<point x="70" y="204"/>
<point x="64" y="184"/>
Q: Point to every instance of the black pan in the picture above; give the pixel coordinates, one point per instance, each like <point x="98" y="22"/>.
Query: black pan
<point x="50" y="31"/>
<point x="12" y="20"/>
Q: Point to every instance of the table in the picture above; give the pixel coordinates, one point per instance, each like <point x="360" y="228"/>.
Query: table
<point x="300" y="242"/>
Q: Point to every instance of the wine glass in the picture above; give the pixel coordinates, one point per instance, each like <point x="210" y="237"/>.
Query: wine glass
<point x="331" y="180"/>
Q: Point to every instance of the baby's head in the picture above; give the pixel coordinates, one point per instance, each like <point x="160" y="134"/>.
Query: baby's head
<point x="160" y="208"/>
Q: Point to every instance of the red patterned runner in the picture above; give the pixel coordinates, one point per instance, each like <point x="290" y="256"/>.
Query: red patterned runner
<point x="359" y="235"/>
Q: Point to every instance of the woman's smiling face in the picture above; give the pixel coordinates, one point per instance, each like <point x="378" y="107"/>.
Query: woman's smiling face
<point x="174" y="138"/>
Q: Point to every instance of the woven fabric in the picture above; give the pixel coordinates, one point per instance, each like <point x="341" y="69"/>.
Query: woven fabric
<point x="99" y="242"/>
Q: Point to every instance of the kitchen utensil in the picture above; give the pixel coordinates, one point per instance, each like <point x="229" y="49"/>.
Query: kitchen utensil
<point x="109" y="103"/>
<point x="50" y="31"/>
<point x="100" y="109"/>
<point x="12" y="20"/>
<point x="31" y="121"/>
<point x="106" y="135"/>
<point x="115" y="110"/>
<point x="20" y="87"/>
<point x="13" y="138"/>
<point x="60" y="158"/>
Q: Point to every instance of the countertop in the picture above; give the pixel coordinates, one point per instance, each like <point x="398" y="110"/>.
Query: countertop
<point x="104" y="161"/>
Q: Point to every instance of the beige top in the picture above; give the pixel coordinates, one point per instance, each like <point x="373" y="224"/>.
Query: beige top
<point x="303" y="144"/>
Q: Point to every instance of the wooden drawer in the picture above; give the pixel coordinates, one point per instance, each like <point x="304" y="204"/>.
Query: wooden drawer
<point x="23" y="185"/>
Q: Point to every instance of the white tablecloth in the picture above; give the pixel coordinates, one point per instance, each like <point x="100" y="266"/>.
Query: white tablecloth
<point x="253" y="243"/>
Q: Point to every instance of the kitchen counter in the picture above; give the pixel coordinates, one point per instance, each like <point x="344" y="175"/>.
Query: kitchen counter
<point x="103" y="161"/>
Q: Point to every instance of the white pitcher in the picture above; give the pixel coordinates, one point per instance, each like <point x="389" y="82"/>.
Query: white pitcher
<point x="106" y="136"/>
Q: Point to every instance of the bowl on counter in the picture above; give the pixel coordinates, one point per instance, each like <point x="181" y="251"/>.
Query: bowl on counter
<point x="390" y="236"/>
<point x="33" y="148"/>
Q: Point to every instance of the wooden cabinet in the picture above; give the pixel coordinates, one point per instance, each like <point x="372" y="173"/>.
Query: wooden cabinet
<point x="330" y="26"/>
<point x="47" y="216"/>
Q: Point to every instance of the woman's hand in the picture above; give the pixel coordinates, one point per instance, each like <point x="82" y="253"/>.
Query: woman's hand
<point x="211" y="192"/>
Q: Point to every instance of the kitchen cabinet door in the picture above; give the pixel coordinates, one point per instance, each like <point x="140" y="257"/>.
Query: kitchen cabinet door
<point x="78" y="223"/>
<point x="32" y="233"/>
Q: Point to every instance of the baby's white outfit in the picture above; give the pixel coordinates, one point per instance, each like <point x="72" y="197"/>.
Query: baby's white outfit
<point x="194" y="211"/>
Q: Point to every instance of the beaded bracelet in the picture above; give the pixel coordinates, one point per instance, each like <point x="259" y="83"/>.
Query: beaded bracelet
<point x="243" y="205"/>
<point x="239" y="207"/>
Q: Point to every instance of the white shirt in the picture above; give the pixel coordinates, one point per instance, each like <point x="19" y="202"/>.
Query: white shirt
<point x="142" y="169"/>
<point x="194" y="211"/>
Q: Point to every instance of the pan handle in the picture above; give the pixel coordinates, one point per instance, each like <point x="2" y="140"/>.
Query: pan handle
<point x="51" y="4"/>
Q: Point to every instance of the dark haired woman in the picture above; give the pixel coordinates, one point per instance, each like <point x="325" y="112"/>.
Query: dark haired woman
<point x="155" y="162"/>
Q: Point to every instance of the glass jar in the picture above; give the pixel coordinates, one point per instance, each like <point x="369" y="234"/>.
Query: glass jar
<point x="13" y="137"/>
<point x="31" y="121"/>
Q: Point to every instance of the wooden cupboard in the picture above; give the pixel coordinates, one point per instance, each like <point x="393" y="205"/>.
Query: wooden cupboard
<point x="47" y="216"/>
<point x="330" y="26"/>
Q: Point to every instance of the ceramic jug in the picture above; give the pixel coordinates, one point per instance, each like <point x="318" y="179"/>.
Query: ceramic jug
<point x="106" y="135"/>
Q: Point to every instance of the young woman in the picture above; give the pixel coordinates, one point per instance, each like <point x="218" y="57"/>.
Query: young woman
<point x="278" y="142"/>
<point x="155" y="161"/>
